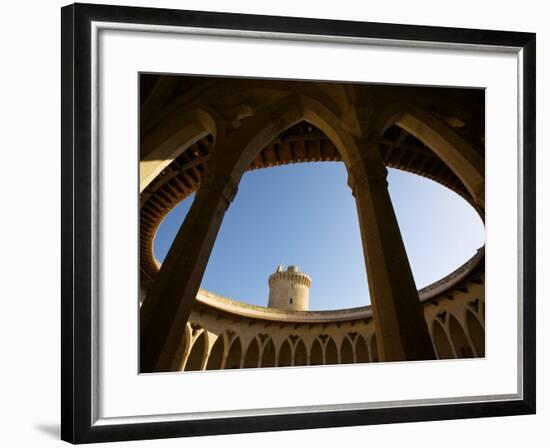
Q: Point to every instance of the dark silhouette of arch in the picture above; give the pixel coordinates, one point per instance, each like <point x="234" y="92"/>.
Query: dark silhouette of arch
<point x="216" y="354"/>
<point x="346" y="352"/>
<point x="300" y="354"/>
<point x="331" y="352"/>
<point x="361" y="350"/>
<point x="441" y="342"/>
<point x="252" y="357"/>
<point x="196" y="357"/>
<point x="374" y="349"/>
<point x="233" y="359"/>
<point x="477" y="334"/>
<point x="285" y="355"/>
<point x="268" y="357"/>
<point x="316" y="356"/>
<point x="460" y="341"/>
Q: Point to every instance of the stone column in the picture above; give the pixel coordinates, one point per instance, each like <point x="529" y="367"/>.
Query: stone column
<point x="400" y="326"/>
<point x="169" y="301"/>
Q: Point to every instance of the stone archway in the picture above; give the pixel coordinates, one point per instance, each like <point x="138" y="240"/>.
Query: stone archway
<point x="458" y="337"/>
<point x="252" y="357"/>
<point x="285" y="355"/>
<point x="331" y="352"/>
<point x="233" y="358"/>
<point x="441" y="342"/>
<point x="215" y="358"/>
<point x="361" y="350"/>
<point x="477" y="333"/>
<point x="268" y="355"/>
<point x="346" y="352"/>
<point x="197" y="355"/>
<point x="316" y="355"/>
<point x="300" y="354"/>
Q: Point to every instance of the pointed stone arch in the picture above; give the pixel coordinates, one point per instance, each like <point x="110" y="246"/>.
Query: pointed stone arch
<point x="459" y="339"/>
<point x="234" y="355"/>
<point x="316" y="357"/>
<point x="331" y="352"/>
<point x="346" y="352"/>
<point x="215" y="358"/>
<point x="300" y="354"/>
<point x="185" y="347"/>
<point x="361" y="350"/>
<point x="197" y="356"/>
<point x="441" y="342"/>
<point x="285" y="354"/>
<point x="252" y="357"/>
<point x="476" y="332"/>
<point x="268" y="354"/>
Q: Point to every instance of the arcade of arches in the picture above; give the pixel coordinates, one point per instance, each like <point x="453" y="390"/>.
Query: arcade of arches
<point x="201" y="134"/>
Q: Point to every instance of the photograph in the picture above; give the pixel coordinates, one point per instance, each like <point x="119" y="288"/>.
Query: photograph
<point x="288" y="223"/>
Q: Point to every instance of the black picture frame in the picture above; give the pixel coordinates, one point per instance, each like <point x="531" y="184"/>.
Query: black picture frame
<point x="76" y="219"/>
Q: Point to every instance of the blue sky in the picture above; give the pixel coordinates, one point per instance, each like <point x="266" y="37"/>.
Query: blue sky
<point x="305" y="214"/>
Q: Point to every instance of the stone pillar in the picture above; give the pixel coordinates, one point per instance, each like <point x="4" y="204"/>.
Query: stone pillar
<point x="400" y="326"/>
<point x="169" y="301"/>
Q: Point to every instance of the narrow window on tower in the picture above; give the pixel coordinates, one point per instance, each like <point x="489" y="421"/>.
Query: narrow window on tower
<point x="290" y="300"/>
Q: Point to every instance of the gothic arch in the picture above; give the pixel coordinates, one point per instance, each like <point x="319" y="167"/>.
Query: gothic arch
<point x="458" y="337"/>
<point x="215" y="358"/>
<point x="252" y="357"/>
<point x="285" y="355"/>
<point x="300" y="354"/>
<point x="346" y="352"/>
<point x="187" y="339"/>
<point x="316" y="357"/>
<point x="331" y="352"/>
<point x="197" y="356"/>
<point x="268" y="354"/>
<point x="238" y="152"/>
<point x="361" y="350"/>
<point x="441" y="342"/>
<point x="233" y="358"/>
<point x="477" y="334"/>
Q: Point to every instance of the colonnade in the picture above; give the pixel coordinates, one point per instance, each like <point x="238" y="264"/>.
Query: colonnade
<point x="456" y="331"/>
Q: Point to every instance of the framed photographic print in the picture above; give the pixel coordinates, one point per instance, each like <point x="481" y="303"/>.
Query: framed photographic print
<point x="275" y="223"/>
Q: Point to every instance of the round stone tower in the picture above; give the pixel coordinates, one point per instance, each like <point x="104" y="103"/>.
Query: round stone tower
<point x="289" y="290"/>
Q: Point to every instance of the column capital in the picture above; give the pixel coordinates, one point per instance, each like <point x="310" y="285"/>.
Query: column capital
<point x="368" y="169"/>
<point x="222" y="182"/>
